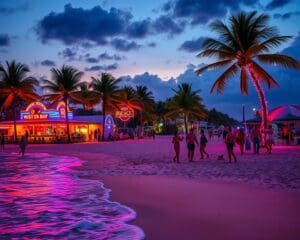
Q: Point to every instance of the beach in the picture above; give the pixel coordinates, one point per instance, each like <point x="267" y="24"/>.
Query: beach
<point x="256" y="198"/>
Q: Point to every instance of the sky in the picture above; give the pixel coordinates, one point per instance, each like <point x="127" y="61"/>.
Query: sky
<point x="153" y="43"/>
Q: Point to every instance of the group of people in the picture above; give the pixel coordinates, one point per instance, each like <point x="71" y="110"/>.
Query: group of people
<point x="230" y="138"/>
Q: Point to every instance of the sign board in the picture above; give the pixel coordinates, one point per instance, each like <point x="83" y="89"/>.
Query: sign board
<point x="125" y="113"/>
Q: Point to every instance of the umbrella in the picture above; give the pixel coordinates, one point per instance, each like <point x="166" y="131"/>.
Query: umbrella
<point x="285" y="113"/>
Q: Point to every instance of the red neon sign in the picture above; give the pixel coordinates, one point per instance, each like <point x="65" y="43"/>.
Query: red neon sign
<point x="125" y="113"/>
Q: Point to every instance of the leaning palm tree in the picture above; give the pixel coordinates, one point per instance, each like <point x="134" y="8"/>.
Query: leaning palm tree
<point x="146" y="101"/>
<point x="107" y="90"/>
<point x="64" y="86"/>
<point x="241" y="44"/>
<point x="187" y="103"/>
<point x="14" y="86"/>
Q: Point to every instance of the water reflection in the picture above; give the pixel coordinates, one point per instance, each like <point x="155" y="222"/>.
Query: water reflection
<point x="41" y="198"/>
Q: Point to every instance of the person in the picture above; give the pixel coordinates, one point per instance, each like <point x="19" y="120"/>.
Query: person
<point x="225" y="131"/>
<point x="240" y="140"/>
<point x="2" y="142"/>
<point x="286" y="135"/>
<point x="191" y="140"/>
<point x="23" y="144"/>
<point x="176" y="144"/>
<point x="269" y="139"/>
<point x="203" y="141"/>
<point x="256" y="136"/>
<point x="230" y="140"/>
<point x="210" y="134"/>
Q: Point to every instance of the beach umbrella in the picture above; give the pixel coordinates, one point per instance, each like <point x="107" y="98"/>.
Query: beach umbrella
<point x="285" y="113"/>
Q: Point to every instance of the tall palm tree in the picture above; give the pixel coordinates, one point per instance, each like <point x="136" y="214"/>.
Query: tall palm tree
<point x="240" y="45"/>
<point x="15" y="85"/>
<point x="64" y="86"/>
<point x="107" y="90"/>
<point x="146" y="101"/>
<point x="186" y="102"/>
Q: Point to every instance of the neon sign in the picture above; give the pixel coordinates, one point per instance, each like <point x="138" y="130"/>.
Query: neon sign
<point x="38" y="111"/>
<point x="125" y="113"/>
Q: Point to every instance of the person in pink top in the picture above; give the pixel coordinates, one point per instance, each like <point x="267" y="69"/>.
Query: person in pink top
<point x="191" y="140"/>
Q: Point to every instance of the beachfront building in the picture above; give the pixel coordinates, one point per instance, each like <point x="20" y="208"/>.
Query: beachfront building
<point x="48" y="125"/>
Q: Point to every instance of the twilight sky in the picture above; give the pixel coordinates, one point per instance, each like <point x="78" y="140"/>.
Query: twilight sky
<point x="153" y="43"/>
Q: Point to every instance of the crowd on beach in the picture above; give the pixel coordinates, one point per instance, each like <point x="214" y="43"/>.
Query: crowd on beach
<point x="231" y="137"/>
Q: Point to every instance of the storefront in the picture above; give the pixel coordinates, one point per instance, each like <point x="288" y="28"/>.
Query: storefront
<point x="48" y="125"/>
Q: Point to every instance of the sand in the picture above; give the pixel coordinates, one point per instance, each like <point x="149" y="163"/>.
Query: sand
<point x="257" y="198"/>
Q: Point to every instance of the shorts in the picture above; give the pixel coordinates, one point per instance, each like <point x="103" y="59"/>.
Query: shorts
<point x="229" y="146"/>
<point x="191" y="146"/>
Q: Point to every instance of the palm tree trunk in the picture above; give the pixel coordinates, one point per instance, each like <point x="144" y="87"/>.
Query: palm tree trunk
<point x="15" y="125"/>
<point x="67" y="120"/>
<point x="263" y="103"/>
<point x="103" y="117"/>
<point x="185" y="124"/>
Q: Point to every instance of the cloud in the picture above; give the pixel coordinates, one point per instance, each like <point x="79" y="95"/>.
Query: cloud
<point x="124" y="45"/>
<point x="92" y="60"/>
<point x="106" y="56"/>
<point x="201" y="11"/>
<point x="139" y="29"/>
<point x="5" y="40"/>
<point x="192" y="45"/>
<point x="293" y="49"/>
<point x="102" y="67"/>
<point x="74" y="25"/>
<point x="152" y="44"/>
<point x="6" y="9"/>
<point x="48" y="63"/>
<point x="166" y="24"/>
<point x="286" y="15"/>
<point x="277" y="4"/>
<point x="87" y="27"/>
<point x="167" y="6"/>
<point x="68" y="53"/>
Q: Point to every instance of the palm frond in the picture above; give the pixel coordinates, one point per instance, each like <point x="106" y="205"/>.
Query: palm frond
<point x="263" y="75"/>
<point x="279" y="59"/>
<point x="213" y="66"/>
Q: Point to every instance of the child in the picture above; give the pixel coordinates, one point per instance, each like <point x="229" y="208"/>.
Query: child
<point x="176" y="143"/>
<point x="203" y="141"/>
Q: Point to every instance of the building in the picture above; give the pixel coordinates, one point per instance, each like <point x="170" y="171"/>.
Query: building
<point x="48" y="125"/>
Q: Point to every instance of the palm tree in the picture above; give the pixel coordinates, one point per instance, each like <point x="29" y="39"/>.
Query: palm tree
<point x="146" y="101"/>
<point x="14" y="86"/>
<point x="107" y="90"/>
<point x="186" y="102"/>
<point x="241" y="44"/>
<point x="64" y="86"/>
<point x="88" y="97"/>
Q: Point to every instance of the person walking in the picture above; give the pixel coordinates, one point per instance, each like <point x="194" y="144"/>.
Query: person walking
<point x="191" y="140"/>
<point x="176" y="144"/>
<point x="23" y="144"/>
<point x="256" y="136"/>
<point x="240" y="140"/>
<point x="2" y="142"/>
<point x="230" y="140"/>
<point x="203" y="142"/>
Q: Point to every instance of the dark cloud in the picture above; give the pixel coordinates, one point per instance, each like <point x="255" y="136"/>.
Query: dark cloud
<point x="48" y="63"/>
<point x="192" y="45"/>
<point x="92" y="60"/>
<point x="277" y="4"/>
<point x="4" y="40"/>
<point x="285" y="15"/>
<point x="102" y="67"/>
<point x="167" y="6"/>
<point x="124" y="45"/>
<point x="139" y="29"/>
<point x="6" y="9"/>
<point x="97" y="26"/>
<point x="166" y="24"/>
<point x="77" y="24"/>
<point x="202" y="11"/>
<point x="106" y="56"/>
<point x="68" y="53"/>
<point x="152" y="44"/>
